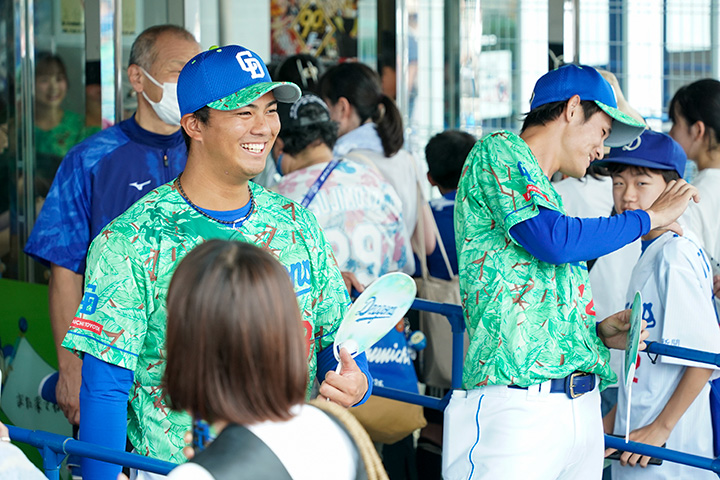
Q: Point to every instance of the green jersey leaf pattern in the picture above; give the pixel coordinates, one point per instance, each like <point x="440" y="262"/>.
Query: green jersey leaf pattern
<point x="122" y="317"/>
<point x="528" y="321"/>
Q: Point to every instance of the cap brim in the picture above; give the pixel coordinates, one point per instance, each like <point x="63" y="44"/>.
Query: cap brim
<point x="285" y="92"/>
<point x="625" y="128"/>
<point x="634" y="161"/>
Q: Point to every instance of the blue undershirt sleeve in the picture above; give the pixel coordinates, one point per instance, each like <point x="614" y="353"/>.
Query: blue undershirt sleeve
<point x="103" y="418"/>
<point x="556" y="238"/>
<point x="326" y="362"/>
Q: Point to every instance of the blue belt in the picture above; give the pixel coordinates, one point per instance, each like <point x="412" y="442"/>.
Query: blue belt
<point x="574" y="385"/>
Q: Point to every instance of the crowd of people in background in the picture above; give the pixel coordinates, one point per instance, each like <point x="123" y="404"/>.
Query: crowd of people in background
<point x="203" y="252"/>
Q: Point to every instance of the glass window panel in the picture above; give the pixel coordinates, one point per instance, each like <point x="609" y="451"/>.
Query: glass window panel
<point x="8" y="186"/>
<point x="687" y="25"/>
<point x="594" y="32"/>
<point x="44" y="114"/>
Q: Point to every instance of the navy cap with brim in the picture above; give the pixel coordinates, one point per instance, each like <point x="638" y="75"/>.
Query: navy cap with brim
<point x="634" y="161"/>
<point x="650" y="150"/>
<point x="308" y="110"/>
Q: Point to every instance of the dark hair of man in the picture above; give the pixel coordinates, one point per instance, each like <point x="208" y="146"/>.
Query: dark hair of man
<point x="360" y="85"/>
<point x="545" y="114"/>
<point x="611" y="169"/>
<point x="304" y="70"/>
<point x="297" y="139"/>
<point x="143" y="51"/>
<point x="235" y="344"/>
<point x="445" y="154"/>
<point x="699" y="102"/>
<point x="203" y="116"/>
<point x="47" y="63"/>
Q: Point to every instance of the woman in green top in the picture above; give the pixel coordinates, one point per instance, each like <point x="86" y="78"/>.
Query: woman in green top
<point x="56" y="129"/>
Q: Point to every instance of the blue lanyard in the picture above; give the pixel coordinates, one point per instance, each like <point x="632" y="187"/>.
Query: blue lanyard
<point x="315" y="187"/>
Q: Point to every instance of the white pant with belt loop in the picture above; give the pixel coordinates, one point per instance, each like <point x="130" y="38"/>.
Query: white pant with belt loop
<point x="498" y="432"/>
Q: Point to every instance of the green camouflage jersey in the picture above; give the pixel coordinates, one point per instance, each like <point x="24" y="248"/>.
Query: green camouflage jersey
<point x="122" y="317"/>
<point x="528" y="321"/>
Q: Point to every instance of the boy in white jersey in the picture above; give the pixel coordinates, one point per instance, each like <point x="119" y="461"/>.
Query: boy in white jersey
<point x="670" y="401"/>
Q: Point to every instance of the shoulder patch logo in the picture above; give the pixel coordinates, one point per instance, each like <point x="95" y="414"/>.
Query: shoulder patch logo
<point x="532" y="187"/>
<point x="89" y="301"/>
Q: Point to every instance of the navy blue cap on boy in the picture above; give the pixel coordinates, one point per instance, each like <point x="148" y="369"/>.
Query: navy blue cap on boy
<point x="563" y="83"/>
<point x="651" y="150"/>
<point x="227" y="78"/>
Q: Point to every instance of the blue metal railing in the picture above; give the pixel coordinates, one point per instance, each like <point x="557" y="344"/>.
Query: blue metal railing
<point x="454" y="314"/>
<point x="684" y="353"/>
<point x="712" y="464"/>
<point x="54" y="447"/>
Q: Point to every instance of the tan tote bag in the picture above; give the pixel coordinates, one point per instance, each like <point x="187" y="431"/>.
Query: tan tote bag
<point x="436" y="357"/>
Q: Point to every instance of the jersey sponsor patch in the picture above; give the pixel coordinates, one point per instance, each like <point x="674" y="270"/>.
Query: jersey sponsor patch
<point x="88" y="325"/>
<point x="533" y="189"/>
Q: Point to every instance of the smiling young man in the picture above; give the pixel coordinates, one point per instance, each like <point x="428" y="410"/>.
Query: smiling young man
<point x="230" y="122"/>
<point x="537" y="358"/>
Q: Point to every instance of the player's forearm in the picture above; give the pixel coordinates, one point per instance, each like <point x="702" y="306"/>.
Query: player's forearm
<point x="690" y="385"/>
<point x="326" y="362"/>
<point x="609" y="420"/>
<point x="64" y="293"/>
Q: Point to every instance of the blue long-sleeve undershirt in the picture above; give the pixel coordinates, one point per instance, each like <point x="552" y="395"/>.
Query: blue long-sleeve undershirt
<point x="556" y="238"/>
<point x="103" y="407"/>
<point x="326" y="362"/>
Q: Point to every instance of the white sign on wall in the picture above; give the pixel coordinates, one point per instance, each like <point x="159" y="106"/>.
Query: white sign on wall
<point x="487" y="87"/>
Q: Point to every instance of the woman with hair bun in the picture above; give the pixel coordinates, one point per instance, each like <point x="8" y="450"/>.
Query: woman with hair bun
<point x="370" y="131"/>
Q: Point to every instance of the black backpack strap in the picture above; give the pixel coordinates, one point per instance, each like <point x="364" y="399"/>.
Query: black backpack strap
<point x="239" y="453"/>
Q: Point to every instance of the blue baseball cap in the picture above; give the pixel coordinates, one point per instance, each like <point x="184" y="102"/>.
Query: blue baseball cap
<point x="651" y="150"/>
<point x="227" y="78"/>
<point x="563" y="83"/>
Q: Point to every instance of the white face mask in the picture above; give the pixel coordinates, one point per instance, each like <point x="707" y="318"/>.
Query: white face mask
<point x="167" y="108"/>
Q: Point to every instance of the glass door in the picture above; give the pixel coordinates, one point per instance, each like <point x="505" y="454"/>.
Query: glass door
<point x="62" y="79"/>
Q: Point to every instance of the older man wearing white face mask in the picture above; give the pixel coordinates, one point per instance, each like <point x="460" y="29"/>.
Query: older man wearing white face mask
<point x="102" y="176"/>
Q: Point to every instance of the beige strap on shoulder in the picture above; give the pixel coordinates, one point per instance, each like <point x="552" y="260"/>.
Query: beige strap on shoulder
<point x="366" y="449"/>
<point x="420" y="247"/>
